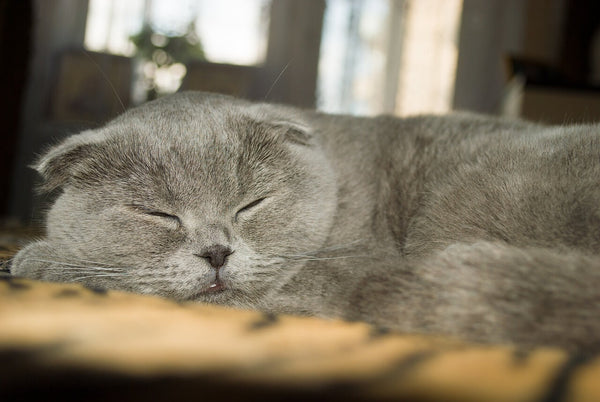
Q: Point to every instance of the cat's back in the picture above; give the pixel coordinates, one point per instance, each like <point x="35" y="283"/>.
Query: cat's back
<point x="526" y="185"/>
<point x="436" y="180"/>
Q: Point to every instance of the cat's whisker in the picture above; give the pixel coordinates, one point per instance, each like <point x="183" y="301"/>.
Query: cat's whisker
<point x="8" y="260"/>
<point x="90" y="269"/>
<point x="95" y="263"/>
<point x="69" y="264"/>
<point x="107" y="80"/>
<point x="277" y="79"/>
<point x="62" y="263"/>
<point x="78" y="278"/>
<point x="83" y="272"/>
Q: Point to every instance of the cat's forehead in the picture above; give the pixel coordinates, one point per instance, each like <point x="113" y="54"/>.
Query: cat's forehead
<point x="212" y="132"/>
<point x="201" y="117"/>
<point x="194" y="126"/>
<point x="173" y="145"/>
<point x="210" y="149"/>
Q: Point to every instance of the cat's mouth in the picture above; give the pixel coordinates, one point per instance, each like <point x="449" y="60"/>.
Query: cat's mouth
<point x="212" y="292"/>
<point x="216" y="287"/>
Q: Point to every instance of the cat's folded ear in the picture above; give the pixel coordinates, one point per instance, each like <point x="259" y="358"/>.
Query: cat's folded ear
<point x="62" y="162"/>
<point x="293" y="131"/>
<point x="284" y="122"/>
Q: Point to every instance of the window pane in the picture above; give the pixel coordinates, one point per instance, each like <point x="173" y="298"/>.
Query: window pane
<point x="230" y="31"/>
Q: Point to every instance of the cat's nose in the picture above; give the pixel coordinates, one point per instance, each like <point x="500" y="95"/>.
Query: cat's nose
<point x="216" y="255"/>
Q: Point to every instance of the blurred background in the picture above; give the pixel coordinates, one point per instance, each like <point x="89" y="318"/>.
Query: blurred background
<point x="68" y="65"/>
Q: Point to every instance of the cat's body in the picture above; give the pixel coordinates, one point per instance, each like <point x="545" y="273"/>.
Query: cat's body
<point x="473" y="226"/>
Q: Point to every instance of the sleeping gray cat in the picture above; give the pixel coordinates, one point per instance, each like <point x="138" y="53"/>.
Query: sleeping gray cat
<point x="472" y="226"/>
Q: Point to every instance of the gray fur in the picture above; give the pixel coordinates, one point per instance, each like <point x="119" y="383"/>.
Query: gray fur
<point x="478" y="227"/>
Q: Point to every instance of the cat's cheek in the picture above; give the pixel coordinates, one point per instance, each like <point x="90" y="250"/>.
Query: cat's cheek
<point x="264" y="240"/>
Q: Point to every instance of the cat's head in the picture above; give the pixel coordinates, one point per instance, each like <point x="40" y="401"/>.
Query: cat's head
<point x="189" y="192"/>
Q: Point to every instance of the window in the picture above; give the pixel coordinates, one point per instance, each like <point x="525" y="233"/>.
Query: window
<point x="388" y="56"/>
<point x="224" y="31"/>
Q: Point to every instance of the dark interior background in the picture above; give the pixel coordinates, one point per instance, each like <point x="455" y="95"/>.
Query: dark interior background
<point x="547" y="47"/>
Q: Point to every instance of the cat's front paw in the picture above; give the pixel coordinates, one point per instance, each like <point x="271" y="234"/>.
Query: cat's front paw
<point x="33" y="261"/>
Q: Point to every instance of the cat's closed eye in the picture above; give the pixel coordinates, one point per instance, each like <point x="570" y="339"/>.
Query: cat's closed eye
<point x="166" y="217"/>
<point x="246" y="208"/>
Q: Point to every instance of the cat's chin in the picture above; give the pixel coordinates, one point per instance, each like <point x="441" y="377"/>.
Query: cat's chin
<point x="209" y="296"/>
